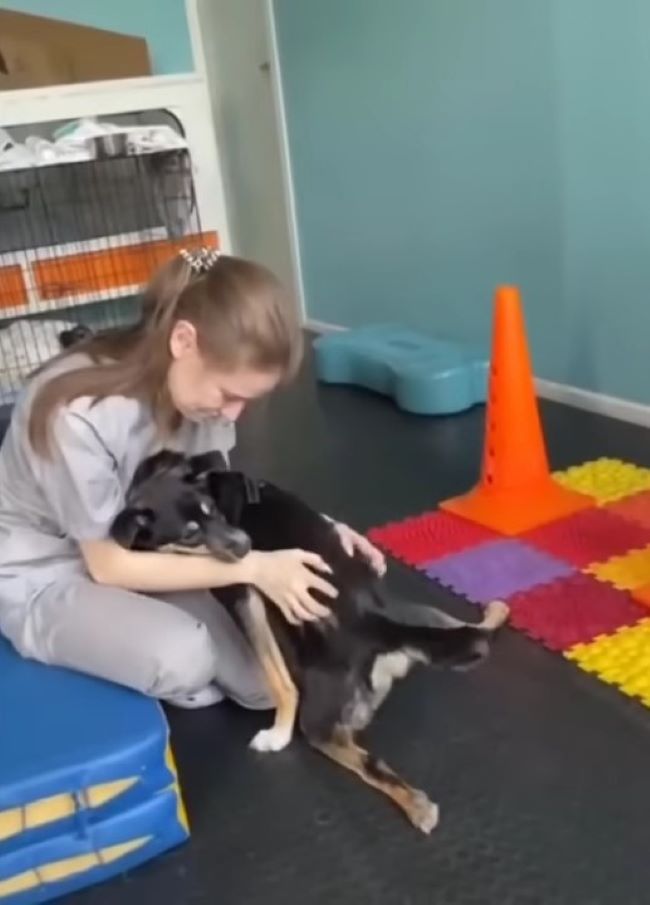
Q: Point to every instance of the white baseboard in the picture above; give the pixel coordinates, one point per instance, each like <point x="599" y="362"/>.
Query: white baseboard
<point x="323" y="326"/>
<point x="599" y="403"/>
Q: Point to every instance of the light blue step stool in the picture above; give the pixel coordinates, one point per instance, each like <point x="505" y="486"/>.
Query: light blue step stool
<point x="422" y="375"/>
<point x="88" y="787"/>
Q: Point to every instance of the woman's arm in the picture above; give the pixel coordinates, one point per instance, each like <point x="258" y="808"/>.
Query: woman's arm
<point x="155" y="573"/>
<point x="286" y="577"/>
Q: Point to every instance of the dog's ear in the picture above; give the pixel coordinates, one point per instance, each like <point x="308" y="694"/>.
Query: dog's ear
<point x="162" y="462"/>
<point x="202" y="465"/>
<point x="132" y="527"/>
<point x="228" y="492"/>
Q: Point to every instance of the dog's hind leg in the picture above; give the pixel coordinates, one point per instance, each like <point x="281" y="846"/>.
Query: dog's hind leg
<point x="343" y="750"/>
<point x="495" y="615"/>
<point x="285" y="694"/>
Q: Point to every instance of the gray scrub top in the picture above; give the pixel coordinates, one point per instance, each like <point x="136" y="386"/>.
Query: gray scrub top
<point x="47" y="506"/>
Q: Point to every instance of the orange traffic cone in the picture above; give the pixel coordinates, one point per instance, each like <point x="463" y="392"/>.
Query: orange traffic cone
<point x="516" y="491"/>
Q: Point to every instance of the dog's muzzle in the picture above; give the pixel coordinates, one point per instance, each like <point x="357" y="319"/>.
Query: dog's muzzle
<point x="229" y="546"/>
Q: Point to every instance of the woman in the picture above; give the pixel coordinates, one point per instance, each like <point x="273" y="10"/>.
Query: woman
<point x="215" y="333"/>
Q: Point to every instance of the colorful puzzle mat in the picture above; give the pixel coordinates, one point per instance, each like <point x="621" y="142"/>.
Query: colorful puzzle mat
<point x="579" y="585"/>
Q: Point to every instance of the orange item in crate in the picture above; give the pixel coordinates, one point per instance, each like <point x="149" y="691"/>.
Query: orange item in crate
<point x="117" y="267"/>
<point x="13" y="292"/>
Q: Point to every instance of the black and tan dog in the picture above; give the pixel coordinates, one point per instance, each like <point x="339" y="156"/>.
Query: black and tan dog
<point x="332" y="674"/>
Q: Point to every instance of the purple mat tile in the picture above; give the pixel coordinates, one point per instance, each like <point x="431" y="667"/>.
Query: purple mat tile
<point x="496" y="570"/>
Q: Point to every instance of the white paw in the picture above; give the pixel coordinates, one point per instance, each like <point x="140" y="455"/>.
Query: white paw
<point x="274" y="739"/>
<point x="495" y="614"/>
<point x="424" y="814"/>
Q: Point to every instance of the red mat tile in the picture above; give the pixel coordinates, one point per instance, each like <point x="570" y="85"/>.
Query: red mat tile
<point x="589" y="537"/>
<point x="429" y="536"/>
<point x="572" y="610"/>
<point x="634" y="508"/>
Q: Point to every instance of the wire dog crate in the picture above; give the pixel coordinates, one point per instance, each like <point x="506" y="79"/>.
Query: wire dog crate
<point x="80" y="239"/>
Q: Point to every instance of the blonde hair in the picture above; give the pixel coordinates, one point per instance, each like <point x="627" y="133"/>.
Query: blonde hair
<point x="243" y="318"/>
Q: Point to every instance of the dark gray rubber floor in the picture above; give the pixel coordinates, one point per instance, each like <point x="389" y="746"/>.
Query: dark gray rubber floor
<point x="541" y="773"/>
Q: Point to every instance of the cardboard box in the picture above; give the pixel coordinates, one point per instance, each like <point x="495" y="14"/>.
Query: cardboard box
<point x="36" y="51"/>
<point x="27" y="64"/>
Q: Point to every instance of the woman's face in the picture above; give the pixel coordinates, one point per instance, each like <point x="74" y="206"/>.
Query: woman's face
<point x="200" y="391"/>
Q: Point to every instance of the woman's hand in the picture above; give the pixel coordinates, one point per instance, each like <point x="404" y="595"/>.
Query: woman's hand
<point x="353" y="542"/>
<point x="286" y="577"/>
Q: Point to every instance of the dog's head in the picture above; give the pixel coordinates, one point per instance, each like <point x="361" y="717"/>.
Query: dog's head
<point x="169" y="505"/>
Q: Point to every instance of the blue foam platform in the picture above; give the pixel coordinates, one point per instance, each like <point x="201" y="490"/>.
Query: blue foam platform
<point x="422" y="375"/>
<point x="88" y="787"/>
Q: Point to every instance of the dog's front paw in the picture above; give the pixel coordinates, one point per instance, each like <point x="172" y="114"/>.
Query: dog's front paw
<point x="274" y="739"/>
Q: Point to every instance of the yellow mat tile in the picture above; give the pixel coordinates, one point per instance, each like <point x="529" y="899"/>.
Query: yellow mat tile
<point x="624" y="572"/>
<point x="622" y="659"/>
<point x="606" y="480"/>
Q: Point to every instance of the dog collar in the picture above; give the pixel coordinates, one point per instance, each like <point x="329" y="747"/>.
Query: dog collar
<point x="252" y="490"/>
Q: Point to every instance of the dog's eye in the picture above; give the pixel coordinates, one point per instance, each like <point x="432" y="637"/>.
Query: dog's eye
<point x="191" y="532"/>
<point x="206" y="508"/>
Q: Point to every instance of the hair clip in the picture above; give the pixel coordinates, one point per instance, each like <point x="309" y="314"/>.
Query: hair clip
<point x="201" y="260"/>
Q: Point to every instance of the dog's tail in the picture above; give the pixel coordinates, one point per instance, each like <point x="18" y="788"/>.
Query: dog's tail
<point x="438" y="639"/>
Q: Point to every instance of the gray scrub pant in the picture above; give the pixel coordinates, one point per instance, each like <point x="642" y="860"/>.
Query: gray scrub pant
<point x="167" y="647"/>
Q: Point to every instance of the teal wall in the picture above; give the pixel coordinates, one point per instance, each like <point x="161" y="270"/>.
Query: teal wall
<point x="603" y="77"/>
<point x="161" y="22"/>
<point x="443" y="146"/>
